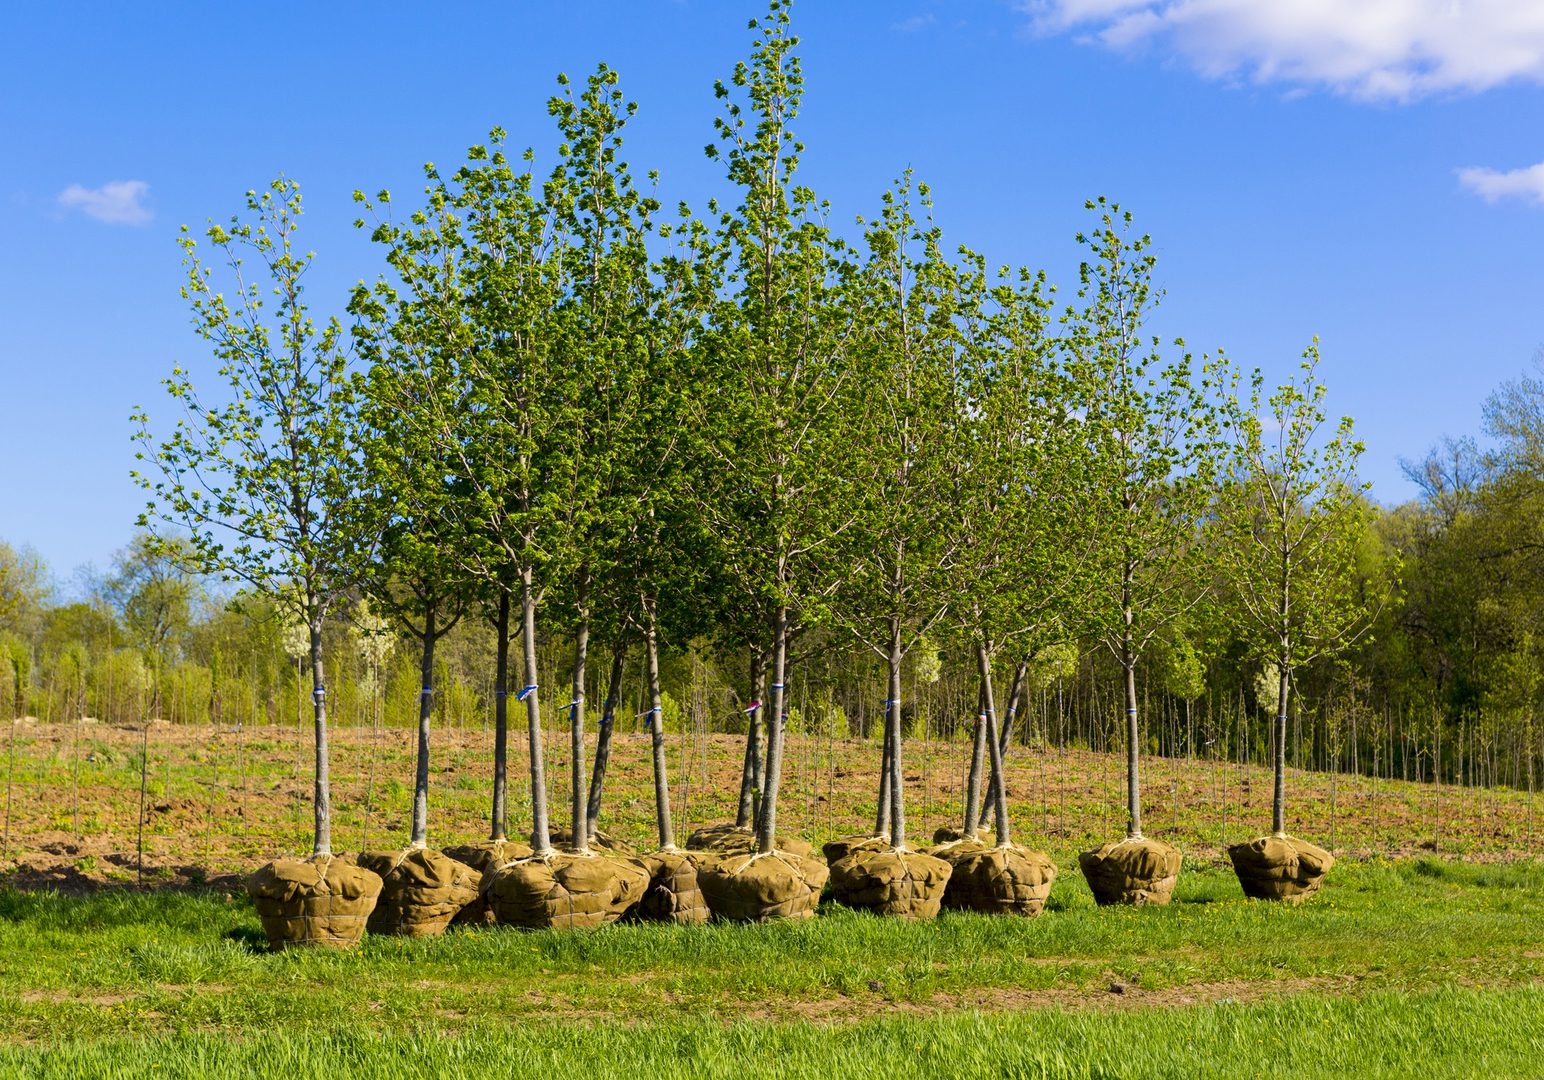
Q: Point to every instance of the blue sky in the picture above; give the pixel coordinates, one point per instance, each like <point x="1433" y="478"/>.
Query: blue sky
<point x="1301" y="171"/>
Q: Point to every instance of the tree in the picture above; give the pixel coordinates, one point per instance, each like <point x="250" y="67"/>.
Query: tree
<point x="1291" y="522"/>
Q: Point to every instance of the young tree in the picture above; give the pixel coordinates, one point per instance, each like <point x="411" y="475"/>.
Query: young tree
<point x="1155" y="430"/>
<point x="1290" y="526"/>
<point x="261" y="484"/>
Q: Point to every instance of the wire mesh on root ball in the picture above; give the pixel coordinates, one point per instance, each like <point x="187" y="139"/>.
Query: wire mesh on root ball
<point x="321" y="901"/>
<point x="751" y="887"/>
<point x="422" y="891"/>
<point x="674" y="893"/>
<point x="1280" y="867"/>
<point x="563" y="890"/>
<point x="1005" y="880"/>
<point x="902" y="884"/>
<point x="1136" y="870"/>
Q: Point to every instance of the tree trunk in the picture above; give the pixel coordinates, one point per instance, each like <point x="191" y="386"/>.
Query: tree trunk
<point x="882" y="807"/>
<point x="541" y="839"/>
<point x="322" y="793"/>
<point x="1015" y="694"/>
<point x="977" y="755"/>
<point x="1279" y="754"/>
<point x="578" y="792"/>
<point x="893" y="732"/>
<point x="994" y="747"/>
<point x="1133" y="779"/>
<point x="500" y="819"/>
<point x="766" y="827"/>
<point x="425" y="708"/>
<point x="603" y="736"/>
<point x="750" y="769"/>
<point x="657" y="729"/>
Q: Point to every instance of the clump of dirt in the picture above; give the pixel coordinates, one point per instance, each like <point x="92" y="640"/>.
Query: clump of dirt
<point x="751" y="887"/>
<point x="563" y="890"/>
<point x="607" y="844"/>
<point x="422" y="891"/>
<point x="1006" y="880"/>
<point x="903" y="884"/>
<point x="1136" y="870"/>
<point x="840" y="848"/>
<point x="673" y="893"/>
<point x="1280" y="867"/>
<point x="728" y="839"/>
<point x="320" y="901"/>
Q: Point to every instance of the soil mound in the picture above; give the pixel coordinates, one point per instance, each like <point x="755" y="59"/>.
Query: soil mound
<point x="904" y="884"/>
<point x="746" y="887"/>
<point x="1131" y="871"/>
<point x="673" y="893"/>
<point x="422" y="891"/>
<point x="563" y="890"/>
<point x="733" y="840"/>
<point x="1008" y="880"/>
<point x="1280" y="867"/>
<point x="319" y="901"/>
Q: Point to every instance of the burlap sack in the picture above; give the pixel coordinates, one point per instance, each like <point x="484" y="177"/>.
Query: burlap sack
<point x="761" y="888"/>
<point x="422" y="891"/>
<point x="486" y="854"/>
<point x="319" y="901"/>
<point x="840" y="848"/>
<point x="1280" y="867"/>
<point x="1009" y="880"/>
<point x="1131" y="871"/>
<point x="904" y="884"/>
<point x="563" y="890"/>
<point x="952" y="851"/>
<point x="604" y="843"/>
<point x="984" y="836"/>
<point x="733" y="840"/>
<point x="673" y="894"/>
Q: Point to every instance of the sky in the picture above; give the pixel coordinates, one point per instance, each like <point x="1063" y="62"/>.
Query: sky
<point x="1372" y="174"/>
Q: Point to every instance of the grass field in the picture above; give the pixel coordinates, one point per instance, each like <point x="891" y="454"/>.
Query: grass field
<point x="1407" y="963"/>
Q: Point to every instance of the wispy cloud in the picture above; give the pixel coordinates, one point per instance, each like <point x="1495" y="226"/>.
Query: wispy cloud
<point x="1379" y="50"/>
<point x="117" y="202"/>
<point x="1493" y="185"/>
<point x="915" y="23"/>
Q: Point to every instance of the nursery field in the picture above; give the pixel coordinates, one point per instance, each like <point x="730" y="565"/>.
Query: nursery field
<point x="1408" y="962"/>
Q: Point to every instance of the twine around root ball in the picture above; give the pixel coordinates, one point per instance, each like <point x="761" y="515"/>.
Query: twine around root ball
<point x="901" y="884"/>
<point x="1137" y="870"/>
<point x="1280" y="867"/>
<point x="602" y="843"/>
<point x="322" y="901"/>
<point x="674" y="893"/>
<point x="422" y="891"/>
<point x="563" y="890"/>
<point x="1006" y="880"/>
<point x="486" y="854"/>
<point x="763" y="888"/>
<point x="728" y="839"/>
<point x="843" y="846"/>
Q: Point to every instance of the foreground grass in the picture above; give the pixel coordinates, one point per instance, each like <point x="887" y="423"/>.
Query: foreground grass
<point x="1394" y="965"/>
<point x="1452" y="1032"/>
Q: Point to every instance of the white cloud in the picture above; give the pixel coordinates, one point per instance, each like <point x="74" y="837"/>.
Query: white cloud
<point x="915" y="23"/>
<point x="1381" y="50"/>
<point x="1492" y="185"/>
<point x="117" y="202"/>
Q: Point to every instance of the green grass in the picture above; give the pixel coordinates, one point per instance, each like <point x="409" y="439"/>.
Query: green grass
<point x="1394" y="969"/>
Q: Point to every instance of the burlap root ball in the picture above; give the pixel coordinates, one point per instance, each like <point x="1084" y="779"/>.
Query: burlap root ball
<point x="843" y="846"/>
<point x="749" y="887"/>
<point x="674" y="894"/>
<point x="1280" y="867"/>
<point x="1131" y="871"/>
<point x="601" y="842"/>
<point x="952" y="851"/>
<point x="984" y="836"/>
<point x="319" y="901"/>
<point x="563" y="890"/>
<point x="1008" y="880"/>
<point x="732" y="840"/>
<point x="903" y="884"/>
<point x="422" y="891"/>
<point x="486" y="854"/>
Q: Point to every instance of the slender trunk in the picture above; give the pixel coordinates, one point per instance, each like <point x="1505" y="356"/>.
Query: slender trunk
<point x="657" y="729"/>
<point x="1005" y="739"/>
<point x="882" y="807"/>
<point x="500" y="819"/>
<point x="541" y="839"/>
<point x="750" y="769"/>
<point x="994" y="747"/>
<point x="1133" y="778"/>
<point x="977" y="755"/>
<point x="766" y="827"/>
<point x="425" y="708"/>
<point x="608" y="717"/>
<point x="578" y="793"/>
<point x="1279" y="755"/>
<point x="893" y="728"/>
<point x="322" y="801"/>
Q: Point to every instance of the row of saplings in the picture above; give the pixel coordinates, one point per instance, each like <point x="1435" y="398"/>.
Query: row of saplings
<point x="739" y="872"/>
